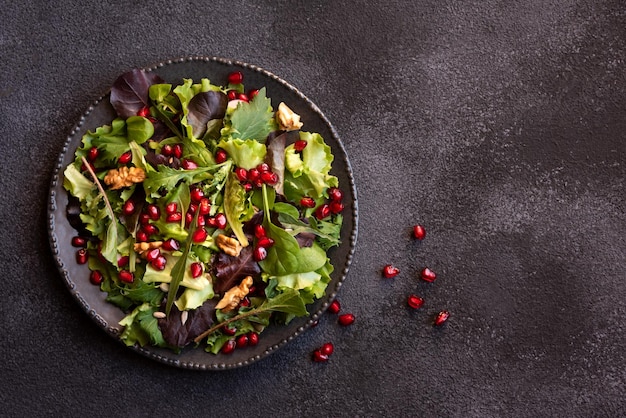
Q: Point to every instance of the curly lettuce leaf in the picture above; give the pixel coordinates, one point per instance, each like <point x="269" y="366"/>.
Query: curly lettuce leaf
<point x="253" y="120"/>
<point x="76" y="183"/>
<point x="244" y="153"/>
<point x="141" y="327"/>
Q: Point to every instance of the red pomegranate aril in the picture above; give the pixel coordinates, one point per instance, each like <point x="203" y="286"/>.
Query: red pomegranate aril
<point x="252" y="93"/>
<point x="123" y="261"/>
<point x="79" y="242"/>
<point x="243" y="97"/>
<point x="201" y="221"/>
<point x="307" y="202"/>
<point x="319" y="357"/>
<point x="335" y="194"/>
<point x="144" y="219"/>
<point x="199" y="235"/>
<point x="245" y="302"/>
<point x="153" y="254"/>
<point x="441" y="318"/>
<point x="248" y="187"/>
<point x="263" y="168"/>
<point x="327" y="349"/>
<point x="196" y="195"/>
<point x="171" y="208"/>
<point x="189" y="164"/>
<point x="228" y="330"/>
<point x="265" y="242"/>
<point x="141" y="236"/>
<point x="82" y="256"/>
<point x="253" y="175"/>
<point x="196" y="270"/>
<point x="228" y="347"/>
<point x="150" y="229"/>
<point x="193" y="207"/>
<point x="336" y="207"/>
<point x="259" y="231"/>
<point x="269" y="178"/>
<point x="346" y="319"/>
<point x="220" y="156"/>
<point x="428" y="275"/>
<point x="188" y="219"/>
<point x="126" y="276"/>
<point x="300" y="145"/>
<point x="236" y="77"/>
<point x="419" y="232"/>
<point x="415" y="301"/>
<point x="253" y="338"/>
<point x="125" y="158"/>
<point x="323" y="211"/>
<point x="174" y="217"/>
<point x="159" y="263"/>
<point x="390" y="271"/>
<point x="128" y="208"/>
<point x="220" y="221"/>
<point x="177" y="150"/>
<point x="95" y="277"/>
<point x="258" y="183"/>
<point x="260" y="253"/>
<point x="171" y="245"/>
<point x="232" y="95"/>
<point x="204" y="206"/>
<point x="334" y="307"/>
<point x="242" y="174"/>
<point x="242" y="341"/>
<point x="144" y="112"/>
<point x="167" y="150"/>
<point x="92" y="154"/>
<point x="153" y="212"/>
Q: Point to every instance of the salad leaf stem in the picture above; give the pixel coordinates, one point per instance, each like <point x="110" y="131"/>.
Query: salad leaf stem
<point x="100" y="188"/>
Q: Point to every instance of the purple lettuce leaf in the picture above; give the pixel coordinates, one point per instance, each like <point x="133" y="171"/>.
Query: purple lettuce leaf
<point x="129" y="92"/>
<point x="204" y="107"/>
<point x="230" y="270"/>
<point x="199" y="320"/>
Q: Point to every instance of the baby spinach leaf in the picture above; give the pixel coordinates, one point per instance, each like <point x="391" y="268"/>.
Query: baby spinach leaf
<point x="139" y="129"/>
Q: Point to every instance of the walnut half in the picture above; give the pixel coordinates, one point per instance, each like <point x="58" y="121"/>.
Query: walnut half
<point x="287" y="119"/>
<point x="229" y="245"/>
<point x="124" y="177"/>
<point x="233" y="296"/>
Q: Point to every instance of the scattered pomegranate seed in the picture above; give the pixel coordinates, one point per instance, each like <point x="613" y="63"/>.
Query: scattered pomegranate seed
<point x="171" y="245"/>
<point x="336" y="207"/>
<point x="428" y="275"/>
<point x="141" y="236"/>
<point x="189" y="164"/>
<point x="167" y="150"/>
<point x="144" y="219"/>
<point x="153" y="212"/>
<point x="259" y="231"/>
<point x="188" y="219"/>
<point x="265" y="242"/>
<point x="327" y="349"/>
<point x="323" y="211"/>
<point x="201" y="221"/>
<point x="319" y="357"/>
<point x="125" y="158"/>
<point x="245" y="302"/>
<point x="126" y="276"/>
<point x="307" y="202"/>
<point x="242" y="341"/>
<point x="128" y="208"/>
<point x="242" y="174"/>
<point x="96" y="277"/>
<point x="414" y="301"/>
<point x="82" y="256"/>
<point x="196" y="194"/>
<point x="247" y="187"/>
<point x="153" y="254"/>
<point x="177" y="150"/>
<point x="174" y="217"/>
<point x="260" y="253"/>
<point x="269" y="178"/>
<point x="159" y="263"/>
<point x="253" y="175"/>
<point x="334" y="307"/>
<point x="346" y="319"/>
<point x="232" y="95"/>
<point x="171" y="208"/>
<point x="236" y="77"/>
<point x="228" y="330"/>
<point x="220" y="221"/>
<point x="220" y="156"/>
<point x="335" y="194"/>
<point x="199" y="235"/>
<point x="299" y="145"/>
<point x="79" y="242"/>
<point x="263" y="168"/>
<point x="419" y="232"/>
<point x="123" y="261"/>
<point x="390" y="271"/>
<point x="229" y="347"/>
<point x="196" y="270"/>
<point x="93" y="153"/>
<point x="243" y="97"/>
<point x="252" y="93"/>
<point x="150" y="229"/>
<point x="204" y="206"/>
<point x="441" y="318"/>
<point x="83" y="167"/>
<point x="253" y="338"/>
<point x="144" y="111"/>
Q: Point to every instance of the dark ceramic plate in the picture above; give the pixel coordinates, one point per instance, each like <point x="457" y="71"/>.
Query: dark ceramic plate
<point x="107" y="316"/>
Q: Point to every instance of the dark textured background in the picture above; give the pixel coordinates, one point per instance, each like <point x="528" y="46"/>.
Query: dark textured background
<point x="499" y="125"/>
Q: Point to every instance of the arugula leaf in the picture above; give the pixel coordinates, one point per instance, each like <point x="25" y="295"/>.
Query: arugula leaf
<point x="167" y="178"/>
<point x="110" y="140"/>
<point x="141" y="327"/>
<point x="253" y="120"/>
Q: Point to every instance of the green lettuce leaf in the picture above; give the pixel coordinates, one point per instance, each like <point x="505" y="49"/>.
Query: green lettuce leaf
<point x="244" y="153"/>
<point x="235" y="208"/>
<point x="253" y="120"/>
<point x="141" y="327"/>
<point x="193" y="298"/>
<point x="77" y="184"/>
<point x="139" y="129"/>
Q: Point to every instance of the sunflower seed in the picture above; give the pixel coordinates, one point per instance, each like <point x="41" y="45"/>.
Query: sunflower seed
<point x="159" y="315"/>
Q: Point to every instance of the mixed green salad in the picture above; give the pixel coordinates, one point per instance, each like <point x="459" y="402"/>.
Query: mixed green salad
<point x="203" y="212"/>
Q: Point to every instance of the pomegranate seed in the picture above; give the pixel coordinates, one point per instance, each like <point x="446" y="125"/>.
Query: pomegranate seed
<point x="258" y="183"/>
<point x="228" y="330"/>
<point x="144" y="111"/>
<point x="199" y="235"/>
<point x="204" y="206"/>
<point x="242" y="341"/>
<point x="196" y="195"/>
<point x="307" y="202"/>
<point x="322" y="211"/>
<point x="174" y="217"/>
<point x="96" y="277"/>
<point x="167" y="150"/>
<point x="144" y="219"/>
<point x="253" y="175"/>
<point x="335" y="194"/>
<point x="334" y="307"/>
<point x="220" y="156"/>
<point x="220" y="221"/>
<point x="260" y="253"/>
<point x="390" y="271"/>
<point x="159" y="263"/>
<point x="315" y="323"/>
<point x="265" y="242"/>
<point x="196" y="269"/>
<point x="263" y="168"/>
<point x="428" y="275"/>
<point x="253" y="338"/>
<point x="153" y="254"/>
<point x="319" y="357"/>
<point x="247" y="187"/>
<point x="193" y="207"/>
<point x="346" y="319"/>
<point x="177" y="150"/>
<point x="171" y="245"/>
<point x="269" y="178"/>
<point x="128" y="208"/>
<point x="171" y="208"/>
<point x="188" y="219"/>
<point x="441" y="318"/>
<point x="126" y="276"/>
<point x="189" y="164"/>
<point x="419" y="232"/>
<point x="259" y="231"/>
<point x="336" y="207"/>
<point x="123" y="261"/>
<point x="232" y="95"/>
<point x="79" y="242"/>
<point x="153" y="212"/>
<point x="82" y="256"/>
<point x="150" y="229"/>
<point x="327" y="349"/>
<point x="252" y="93"/>
<point x="299" y="145"/>
<point x="229" y="347"/>
<point x="142" y="236"/>
<point x="84" y="168"/>
<point x="245" y="302"/>
<point x="201" y="221"/>
<point x="125" y="158"/>
<point x="236" y="77"/>
<point x="243" y="97"/>
<point x="242" y="174"/>
<point x="415" y="302"/>
<point x="93" y="153"/>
